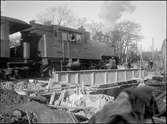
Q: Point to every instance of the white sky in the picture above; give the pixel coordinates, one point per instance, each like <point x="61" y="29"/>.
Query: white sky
<point x="151" y="15"/>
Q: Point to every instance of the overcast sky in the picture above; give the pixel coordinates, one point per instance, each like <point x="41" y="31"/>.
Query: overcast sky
<point x="151" y="15"/>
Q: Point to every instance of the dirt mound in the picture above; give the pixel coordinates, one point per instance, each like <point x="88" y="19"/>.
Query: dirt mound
<point x="9" y="99"/>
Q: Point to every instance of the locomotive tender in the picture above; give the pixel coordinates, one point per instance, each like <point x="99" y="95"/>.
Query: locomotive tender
<point x="51" y="47"/>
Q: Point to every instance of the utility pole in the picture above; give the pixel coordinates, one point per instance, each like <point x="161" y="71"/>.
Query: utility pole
<point x="152" y="49"/>
<point x="141" y="61"/>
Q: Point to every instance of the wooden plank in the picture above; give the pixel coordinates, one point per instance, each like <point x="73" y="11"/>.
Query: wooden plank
<point x="105" y="77"/>
<point x="58" y="102"/>
<point x="133" y="74"/>
<point x="103" y="70"/>
<point x="93" y="78"/>
<point x="52" y="98"/>
<point x="77" y="78"/>
<point x="67" y="78"/>
<point x="125" y="76"/>
<point x="67" y="107"/>
<point x="116" y="76"/>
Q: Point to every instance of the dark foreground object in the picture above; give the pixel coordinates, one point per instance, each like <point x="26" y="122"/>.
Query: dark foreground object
<point x="133" y="105"/>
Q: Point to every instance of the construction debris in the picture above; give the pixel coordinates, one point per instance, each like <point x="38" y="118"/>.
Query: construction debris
<point x="75" y="102"/>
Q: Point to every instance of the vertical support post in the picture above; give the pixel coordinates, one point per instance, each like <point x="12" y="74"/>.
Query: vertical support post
<point x="77" y="78"/>
<point x="138" y="73"/>
<point x="116" y="76"/>
<point x="69" y="54"/>
<point x="67" y="78"/>
<point x="142" y="74"/>
<point x="105" y="77"/>
<point x="93" y="78"/>
<point x="56" y="76"/>
<point x="125" y="75"/>
<point x="61" y="64"/>
<point x="52" y="98"/>
<point x="63" y="49"/>
<point x="133" y="74"/>
<point x="45" y="48"/>
<point x="50" y="84"/>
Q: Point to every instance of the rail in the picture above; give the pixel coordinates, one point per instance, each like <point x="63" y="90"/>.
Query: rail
<point x="98" y="77"/>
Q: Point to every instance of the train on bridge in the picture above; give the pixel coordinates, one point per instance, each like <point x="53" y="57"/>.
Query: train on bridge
<point x="44" y="48"/>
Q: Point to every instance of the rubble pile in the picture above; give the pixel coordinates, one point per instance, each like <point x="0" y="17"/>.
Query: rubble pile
<point x="17" y="116"/>
<point x="7" y="85"/>
<point x="22" y="85"/>
<point x="82" y="104"/>
<point x="10" y="99"/>
<point x="30" y="85"/>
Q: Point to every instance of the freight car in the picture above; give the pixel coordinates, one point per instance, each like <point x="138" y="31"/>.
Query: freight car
<point x="52" y="47"/>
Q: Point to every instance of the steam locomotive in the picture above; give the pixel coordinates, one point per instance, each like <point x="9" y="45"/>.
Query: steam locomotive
<point x="44" y="48"/>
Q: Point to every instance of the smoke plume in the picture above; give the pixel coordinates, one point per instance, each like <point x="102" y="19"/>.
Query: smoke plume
<point x="111" y="11"/>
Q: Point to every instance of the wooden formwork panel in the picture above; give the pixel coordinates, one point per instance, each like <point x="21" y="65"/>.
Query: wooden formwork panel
<point x="129" y="75"/>
<point x="85" y="78"/>
<point x="136" y="74"/>
<point x="99" y="78"/>
<point x="72" y="78"/>
<point x="121" y="76"/>
<point x="111" y="77"/>
<point x="63" y="77"/>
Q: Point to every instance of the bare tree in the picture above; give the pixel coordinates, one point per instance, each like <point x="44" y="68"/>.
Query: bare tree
<point x="81" y="22"/>
<point x="15" y="39"/>
<point x="59" y="15"/>
<point x="124" y="36"/>
<point x="95" y="28"/>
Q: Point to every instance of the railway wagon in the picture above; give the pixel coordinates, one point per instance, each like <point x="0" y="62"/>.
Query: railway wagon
<point x="52" y="47"/>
